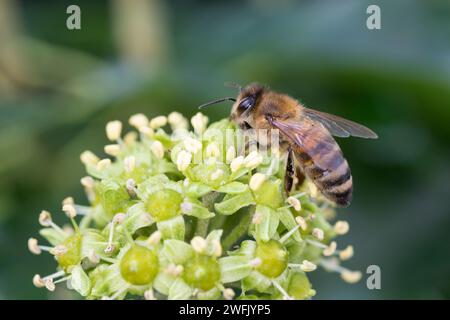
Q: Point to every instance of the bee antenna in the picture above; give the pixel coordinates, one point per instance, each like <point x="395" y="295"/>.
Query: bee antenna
<point x="233" y="85"/>
<point x="216" y="101"/>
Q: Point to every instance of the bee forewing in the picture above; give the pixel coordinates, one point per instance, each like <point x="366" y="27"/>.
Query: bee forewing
<point x="338" y="126"/>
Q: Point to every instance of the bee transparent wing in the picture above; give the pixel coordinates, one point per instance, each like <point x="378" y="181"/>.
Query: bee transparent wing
<point x="296" y="132"/>
<point x="338" y="126"/>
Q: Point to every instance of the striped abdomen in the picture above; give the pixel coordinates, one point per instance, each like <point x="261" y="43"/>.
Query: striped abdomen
<point x="322" y="161"/>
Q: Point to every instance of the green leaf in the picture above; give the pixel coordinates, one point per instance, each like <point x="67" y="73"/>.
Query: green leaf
<point x="179" y="290"/>
<point x="233" y="204"/>
<point x="256" y="281"/>
<point x="212" y="294"/>
<point x="173" y="228"/>
<point x="288" y="220"/>
<point x="92" y="239"/>
<point x="233" y="188"/>
<point x="177" y="251"/>
<point x="53" y="236"/>
<point x="80" y="281"/>
<point x="137" y="218"/>
<point x="246" y="249"/>
<point x="234" y="268"/>
<point x="197" y="190"/>
<point x="211" y="240"/>
<point x="163" y="282"/>
<point x="267" y="228"/>
<point x="194" y="208"/>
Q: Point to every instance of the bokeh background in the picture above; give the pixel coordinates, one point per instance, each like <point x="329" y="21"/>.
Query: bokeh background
<point x="59" y="87"/>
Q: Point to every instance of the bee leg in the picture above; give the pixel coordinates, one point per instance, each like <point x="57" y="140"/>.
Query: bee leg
<point x="290" y="172"/>
<point x="299" y="177"/>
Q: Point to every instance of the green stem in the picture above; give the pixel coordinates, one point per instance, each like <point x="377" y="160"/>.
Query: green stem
<point x="202" y="227"/>
<point x="240" y="230"/>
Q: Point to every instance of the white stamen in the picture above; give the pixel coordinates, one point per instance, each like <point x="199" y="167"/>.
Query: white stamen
<point x="301" y="222"/>
<point x="146" y="131"/>
<point x="89" y="158"/>
<point x="119" y="218"/>
<point x="198" y="244"/>
<point x="231" y="154"/>
<point x="318" y="233"/>
<point x="59" y="250"/>
<point x="158" y="122"/>
<point x="253" y="160"/>
<point x="351" y="276"/>
<point x="112" y="149"/>
<point x="186" y="206"/>
<point x="183" y="160"/>
<point x="330" y="250"/>
<point x="69" y="210"/>
<point x="308" y="266"/>
<point x="257" y="218"/>
<point x="255" y="262"/>
<point x="49" y="285"/>
<point x="199" y="122"/>
<point x="212" y="150"/>
<point x="288" y="234"/>
<point x="130" y="138"/>
<point x="129" y="163"/>
<point x="138" y="120"/>
<point x="228" y="294"/>
<point x="286" y="296"/>
<point x="192" y="145"/>
<point x="157" y="149"/>
<point x="237" y="163"/>
<point x="33" y="246"/>
<point x="257" y="180"/>
<point x="38" y="282"/>
<point x="347" y="253"/>
<point x="103" y="164"/>
<point x="93" y="257"/>
<point x="177" y="121"/>
<point x="149" y="295"/>
<point x="45" y="219"/>
<point x="295" y="203"/>
<point x="341" y="227"/>
<point x="114" y="130"/>
<point x="154" y="238"/>
<point x="110" y="247"/>
<point x="217" y="248"/>
<point x="68" y="200"/>
<point x="130" y="185"/>
<point x="87" y="182"/>
<point x="173" y="270"/>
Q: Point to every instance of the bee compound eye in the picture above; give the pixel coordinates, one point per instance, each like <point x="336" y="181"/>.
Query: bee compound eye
<point x="247" y="103"/>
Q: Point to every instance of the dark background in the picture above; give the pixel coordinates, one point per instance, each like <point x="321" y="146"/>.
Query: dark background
<point x="58" y="88"/>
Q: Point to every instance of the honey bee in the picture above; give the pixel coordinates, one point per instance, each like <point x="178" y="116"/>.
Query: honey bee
<point x="306" y="135"/>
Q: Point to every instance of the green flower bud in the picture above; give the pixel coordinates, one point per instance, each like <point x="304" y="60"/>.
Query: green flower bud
<point x="164" y="204"/>
<point x="202" y="272"/>
<point x="274" y="258"/>
<point x="139" y="265"/>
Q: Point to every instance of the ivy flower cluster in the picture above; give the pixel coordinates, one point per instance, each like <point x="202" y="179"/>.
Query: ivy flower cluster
<point x="178" y="214"/>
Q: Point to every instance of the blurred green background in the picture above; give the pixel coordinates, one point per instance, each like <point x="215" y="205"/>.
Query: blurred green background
<point x="59" y="87"/>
